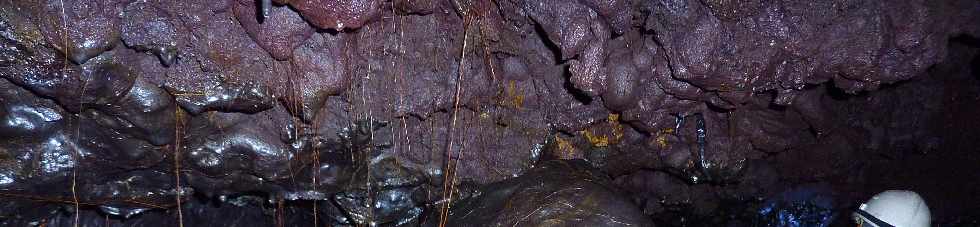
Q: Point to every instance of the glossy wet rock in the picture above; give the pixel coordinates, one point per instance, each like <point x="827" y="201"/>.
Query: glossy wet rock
<point x="357" y="108"/>
<point x="554" y="193"/>
<point x="249" y="98"/>
<point x="36" y="148"/>
<point x="237" y="143"/>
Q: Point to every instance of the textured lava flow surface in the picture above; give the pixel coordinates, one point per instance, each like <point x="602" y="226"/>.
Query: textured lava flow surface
<point x="479" y="112"/>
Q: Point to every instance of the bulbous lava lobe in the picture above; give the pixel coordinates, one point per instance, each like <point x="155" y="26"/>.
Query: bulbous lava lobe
<point x="141" y="109"/>
<point x="556" y="192"/>
<point x="147" y="27"/>
<point x="225" y="145"/>
<point x="614" y="12"/>
<point x="630" y="65"/>
<point x="589" y="72"/>
<point x="279" y="33"/>
<point x="566" y="24"/>
<point x="320" y="68"/>
<point x="336" y="14"/>
<point x="82" y="29"/>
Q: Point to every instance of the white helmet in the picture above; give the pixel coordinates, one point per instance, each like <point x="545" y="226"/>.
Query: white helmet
<point x="894" y="208"/>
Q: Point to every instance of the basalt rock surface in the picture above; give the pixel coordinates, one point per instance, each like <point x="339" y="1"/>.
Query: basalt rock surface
<point x="527" y="112"/>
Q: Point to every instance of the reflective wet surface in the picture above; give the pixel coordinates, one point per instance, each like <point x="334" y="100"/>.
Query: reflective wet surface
<point x="483" y="113"/>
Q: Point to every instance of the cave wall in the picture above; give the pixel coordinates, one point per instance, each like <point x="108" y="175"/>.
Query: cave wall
<point x="128" y="108"/>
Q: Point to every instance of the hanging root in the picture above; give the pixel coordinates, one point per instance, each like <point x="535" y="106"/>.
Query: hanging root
<point x="64" y="70"/>
<point x="179" y="118"/>
<point x="448" y="186"/>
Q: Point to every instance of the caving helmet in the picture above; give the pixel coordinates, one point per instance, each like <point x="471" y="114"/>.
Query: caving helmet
<point x="894" y="208"/>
